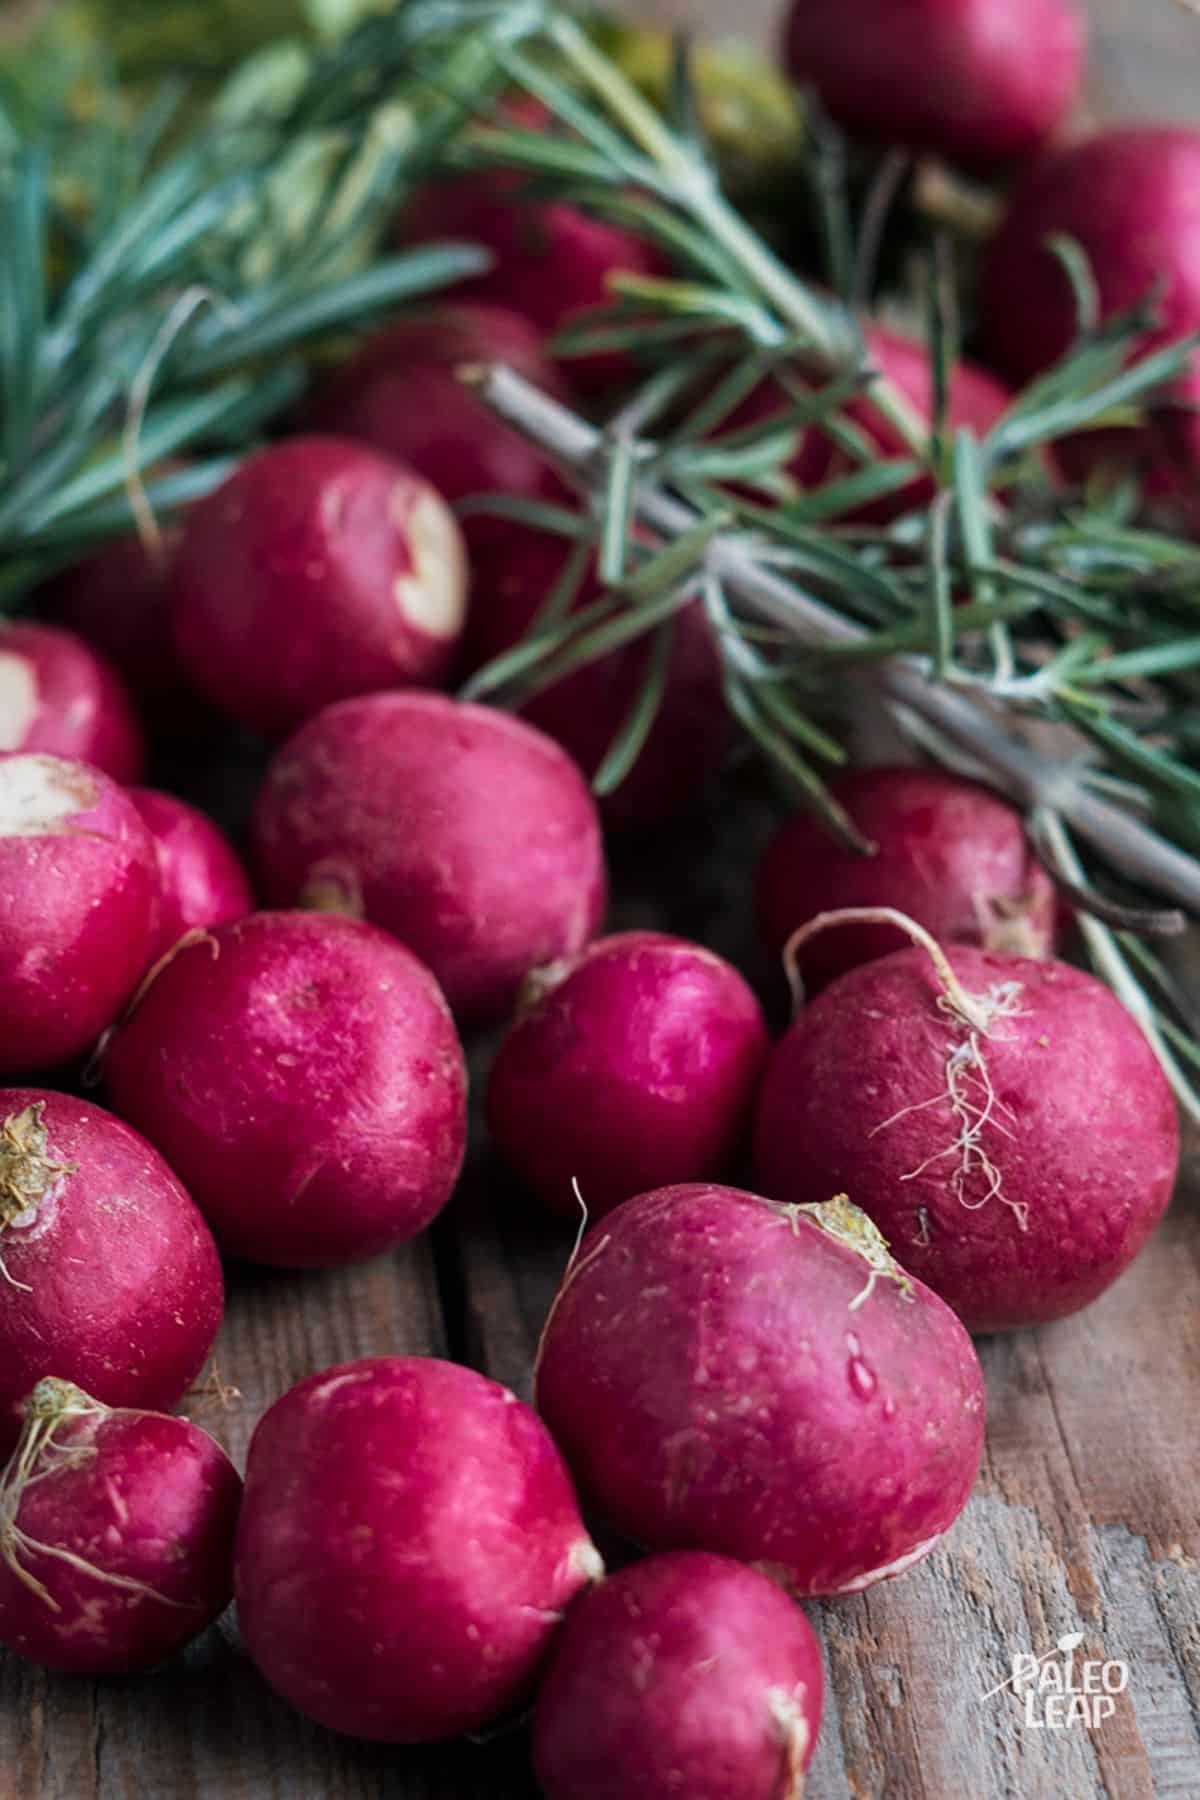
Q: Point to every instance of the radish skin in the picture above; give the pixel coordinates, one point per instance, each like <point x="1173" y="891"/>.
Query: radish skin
<point x="408" y="1544"/>
<point x="724" y="1373"/>
<point x="201" y="881"/>
<point x="116" y="1535"/>
<point x="948" y="853"/>
<point x="109" y="1277"/>
<point x="78" y="904"/>
<point x="317" y="570"/>
<point x="116" y="598"/>
<point x="58" y="696"/>
<point x="684" y="1674"/>
<point x="467" y="834"/>
<point x="637" y="1062"/>
<point x="979" y="82"/>
<point x="1017" y="1166"/>
<point x="303" y="1074"/>
<point x="401" y="392"/>
<point x="1127" y="197"/>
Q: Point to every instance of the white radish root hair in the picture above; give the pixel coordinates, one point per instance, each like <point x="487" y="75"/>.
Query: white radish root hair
<point x="38" y="1456"/>
<point x="839" y="1218"/>
<point x="968" y="1089"/>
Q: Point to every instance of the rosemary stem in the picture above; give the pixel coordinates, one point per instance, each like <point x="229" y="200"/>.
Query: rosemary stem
<point x="1026" y="776"/>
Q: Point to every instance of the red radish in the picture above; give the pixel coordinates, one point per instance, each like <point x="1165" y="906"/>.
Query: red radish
<point x="636" y="1062"/>
<point x="1004" y="1122"/>
<point x="317" y="570"/>
<point x="78" y="904"/>
<point x="949" y="854"/>
<point x="117" y="599"/>
<point x="303" y="1075"/>
<point x="201" y="881"/>
<point x="408" y="1544"/>
<point x="976" y="399"/>
<point x="401" y="393"/>
<point x="978" y="82"/>
<point x="726" y="1373"/>
<point x="110" y="1277"/>
<point x="552" y="260"/>
<point x="116" y="1534"/>
<point x="464" y="832"/>
<point x="1127" y="196"/>
<point x="690" y="736"/>
<point x="684" y="1674"/>
<point x="57" y="695"/>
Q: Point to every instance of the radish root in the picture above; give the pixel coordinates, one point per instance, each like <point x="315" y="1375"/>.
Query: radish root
<point x="37" y="1456"/>
<point x="839" y="1218"/>
<point x="27" y="1174"/>
<point x="955" y="998"/>
<point x="968" y="1085"/>
<point x="787" y="1713"/>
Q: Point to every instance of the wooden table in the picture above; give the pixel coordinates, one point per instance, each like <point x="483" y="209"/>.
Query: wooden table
<point x="1086" y="1517"/>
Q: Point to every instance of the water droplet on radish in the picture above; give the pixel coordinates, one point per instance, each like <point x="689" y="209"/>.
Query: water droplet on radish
<point x="862" y="1379"/>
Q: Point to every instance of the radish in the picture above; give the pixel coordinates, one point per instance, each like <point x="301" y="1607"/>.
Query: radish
<point x="317" y="570"/>
<point x="1127" y="196"/>
<point x="201" y="881"/>
<point x="976" y="399"/>
<point x="401" y="392"/>
<point x="408" y="1543"/>
<point x="58" y="695"/>
<point x="78" y="905"/>
<point x="116" y="1534"/>
<point x="685" y="1674"/>
<point x="467" y="834"/>
<point x="116" y="599"/>
<point x="109" y="1275"/>
<point x="690" y="736"/>
<point x="978" y="82"/>
<point x="303" y="1075"/>
<point x="635" y="1063"/>
<point x="948" y="853"/>
<point x="551" y="259"/>
<point x="727" y="1373"/>
<point x="1003" y="1121"/>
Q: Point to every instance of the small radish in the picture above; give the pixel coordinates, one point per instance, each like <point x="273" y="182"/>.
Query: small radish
<point x="684" y="1674"/>
<point x="57" y="695"/>
<point x="1003" y="1121"/>
<point x="689" y="739"/>
<point x="303" y="1075"/>
<point x="116" y="1534"/>
<point x="948" y="853"/>
<point x="1127" y="197"/>
<point x="727" y="1373"/>
<point x="108" y="1274"/>
<point x="552" y="260"/>
<point x="78" y="905"/>
<point x="116" y="598"/>
<point x="466" y="833"/>
<point x="976" y="399"/>
<point x="634" y="1064"/>
<point x="401" y="393"/>
<point x="319" y="569"/>
<point x="978" y="82"/>
<point x="201" y="881"/>
<point x="408" y="1544"/>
